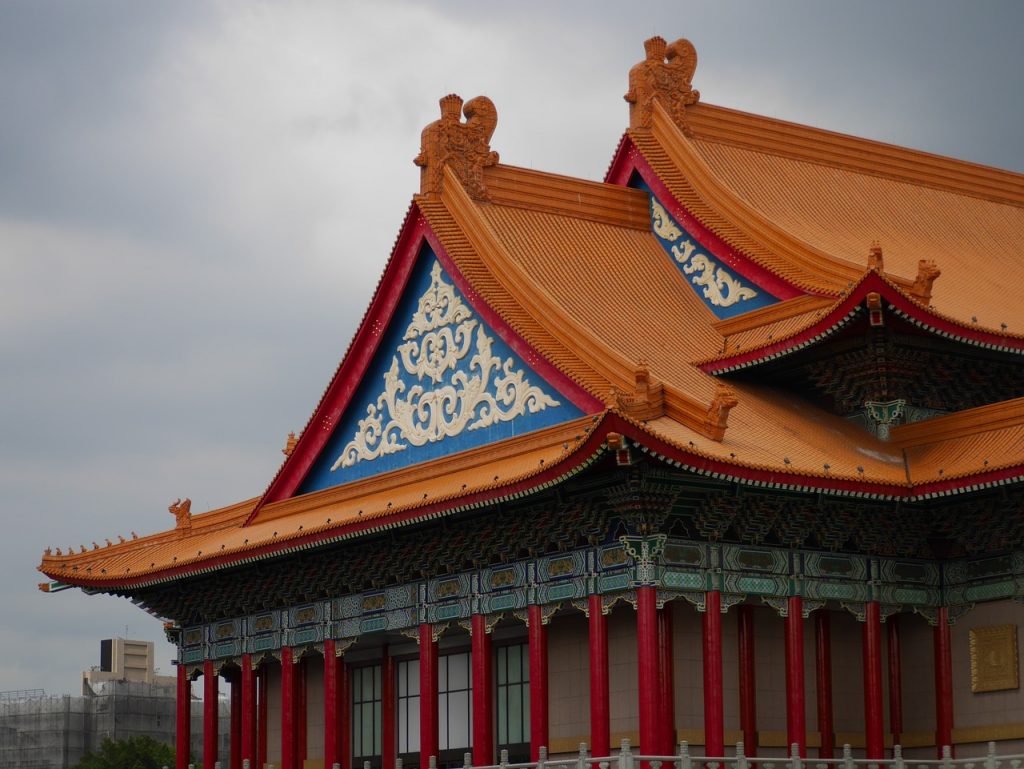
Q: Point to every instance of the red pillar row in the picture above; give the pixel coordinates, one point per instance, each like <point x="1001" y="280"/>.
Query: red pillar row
<point x="823" y="678"/>
<point x="388" y="725"/>
<point x="538" y="645"/>
<point x="943" y="681"/>
<point x="332" y="746"/>
<point x="209" y="714"/>
<point x="647" y="667"/>
<point x="483" y="693"/>
<point x="666" y="683"/>
<point x="235" y="694"/>
<point x="748" y="679"/>
<point x="895" y="679"/>
<point x="428" y="694"/>
<point x="183" y="719"/>
<point x="714" y="716"/>
<point x="796" y="719"/>
<point x="248" y="728"/>
<point x="600" y="722"/>
<point x="874" y="728"/>
<point x="288" y="692"/>
<point x="301" y="743"/>
<point x="261" y="716"/>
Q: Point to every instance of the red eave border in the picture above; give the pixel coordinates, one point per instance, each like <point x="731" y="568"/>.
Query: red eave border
<point x="629" y="159"/>
<point x="872" y="282"/>
<point x="414" y="233"/>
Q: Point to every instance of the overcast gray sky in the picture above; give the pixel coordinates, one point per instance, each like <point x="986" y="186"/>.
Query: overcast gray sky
<point x="196" y="201"/>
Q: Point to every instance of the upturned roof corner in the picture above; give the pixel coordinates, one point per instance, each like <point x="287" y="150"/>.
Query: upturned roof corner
<point x="463" y="147"/>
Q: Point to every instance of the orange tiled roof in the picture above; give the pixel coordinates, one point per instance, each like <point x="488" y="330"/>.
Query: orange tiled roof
<point x="572" y="267"/>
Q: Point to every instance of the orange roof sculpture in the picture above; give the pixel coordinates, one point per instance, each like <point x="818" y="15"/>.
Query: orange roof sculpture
<point x="667" y="310"/>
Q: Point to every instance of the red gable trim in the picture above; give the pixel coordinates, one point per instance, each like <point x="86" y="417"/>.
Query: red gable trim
<point x="628" y="159"/>
<point x="349" y="375"/>
<point x="841" y="312"/>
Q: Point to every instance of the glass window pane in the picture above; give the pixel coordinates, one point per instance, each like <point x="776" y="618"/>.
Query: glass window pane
<point x="502" y="715"/>
<point x="442" y="721"/>
<point x="376" y="730"/>
<point x="367" y="692"/>
<point x="376" y="682"/>
<point x="458" y="719"/>
<point x="413" y="683"/>
<point x="366" y="738"/>
<point x="501" y="663"/>
<point x="526" y="713"/>
<point x="458" y="671"/>
<point x="414" y="726"/>
<point x="515" y="665"/>
<point x="515" y="713"/>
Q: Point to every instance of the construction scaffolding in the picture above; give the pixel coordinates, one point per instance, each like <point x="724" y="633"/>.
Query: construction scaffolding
<point x="55" y="732"/>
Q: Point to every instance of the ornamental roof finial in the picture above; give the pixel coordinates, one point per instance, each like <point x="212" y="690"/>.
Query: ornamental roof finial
<point x="664" y="75"/>
<point x="717" y="419"/>
<point x="875" y="260"/>
<point x="290" y="444"/>
<point x="465" y="147"/>
<point x="927" y="272"/>
<point x="182" y="514"/>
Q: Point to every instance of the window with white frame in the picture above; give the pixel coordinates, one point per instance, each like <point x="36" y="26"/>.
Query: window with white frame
<point x="366" y="715"/>
<point x="512" y="666"/>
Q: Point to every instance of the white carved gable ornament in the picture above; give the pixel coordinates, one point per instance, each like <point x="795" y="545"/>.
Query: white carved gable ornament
<point x="430" y="393"/>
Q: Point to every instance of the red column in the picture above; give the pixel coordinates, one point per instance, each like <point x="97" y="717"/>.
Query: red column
<point x="331" y="696"/>
<point x="261" y="717"/>
<point x="666" y="683"/>
<point x="236" y="722"/>
<point x="287" y="710"/>
<point x="538" y="637"/>
<point x="248" y="735"/>
<point x="428" y="694"/>
<point x="714" y="713"/>
<point x="183" y="719"/>
<point x="344" y="715"/>
<point x="943" y="682"/>
<point x="823" y="677"/>
<point x="300" y="712"/>
<point x="600" y="728"/>
<point x="388" y="726"/>
<point x="483" y="694"/>
<point x="748" y="679"/>
<point x="209" y="714"/>
<point x="895" y="679"/>
<point x="647" y="667"/>
<point x="874" y="728"/>
<point x="796" y="719"/>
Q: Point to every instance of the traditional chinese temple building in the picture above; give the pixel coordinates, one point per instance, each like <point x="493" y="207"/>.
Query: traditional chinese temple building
<point x="729" y="446"/>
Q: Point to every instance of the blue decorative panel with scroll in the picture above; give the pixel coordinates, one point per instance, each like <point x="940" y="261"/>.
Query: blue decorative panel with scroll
<point x="442" y="381"/>
<point x="725" y="292"/>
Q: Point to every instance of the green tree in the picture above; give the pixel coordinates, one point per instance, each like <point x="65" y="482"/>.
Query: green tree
<point x="133" y="753"/>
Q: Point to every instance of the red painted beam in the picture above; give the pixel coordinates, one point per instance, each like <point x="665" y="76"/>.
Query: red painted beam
<point x="714" y="708"/>
<point x="796" y="704"/>
<point x="428" y="694"/>
<point x="183" y="719"/>
<point x="823" y="678"/>
<point x="538" y="644"/>
<point x="209" y="714"/>
<point x="483" y="693"/>
<point x="895" y="679"/>
<point x="288" y="710"/>
<point x="647" y="667"/>
<point x="600" y="722"/>
<point x="748" y="678"/>
<point x="666" y="683"/>
<point x="943" y="681"/>
<point x="874" y="728"/>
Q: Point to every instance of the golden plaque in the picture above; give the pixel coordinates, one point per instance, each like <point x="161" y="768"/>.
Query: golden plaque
<point x="994" y="658"/>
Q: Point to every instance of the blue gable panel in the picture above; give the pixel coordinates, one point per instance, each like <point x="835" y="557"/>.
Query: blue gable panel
<point x="725" y="292"/>
<point x="441" y="382"/>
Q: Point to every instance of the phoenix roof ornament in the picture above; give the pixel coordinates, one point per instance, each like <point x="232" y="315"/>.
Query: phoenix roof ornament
<point x="465" y="147"/>
<point x="664" y="75"/>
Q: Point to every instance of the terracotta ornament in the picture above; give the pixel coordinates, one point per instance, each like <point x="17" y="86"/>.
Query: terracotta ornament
<point x="464" y="147"/>
<point x="664" y="75"/>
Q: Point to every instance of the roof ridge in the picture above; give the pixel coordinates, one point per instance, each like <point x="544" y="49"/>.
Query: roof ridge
<point x="869" y="156"/>
<point x="833" y="270"/>
<point x="773" y="313"/>
<point x="982" y="419"/>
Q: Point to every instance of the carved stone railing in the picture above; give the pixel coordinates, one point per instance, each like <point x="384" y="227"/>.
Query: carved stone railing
<point x="626" y="759"/>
